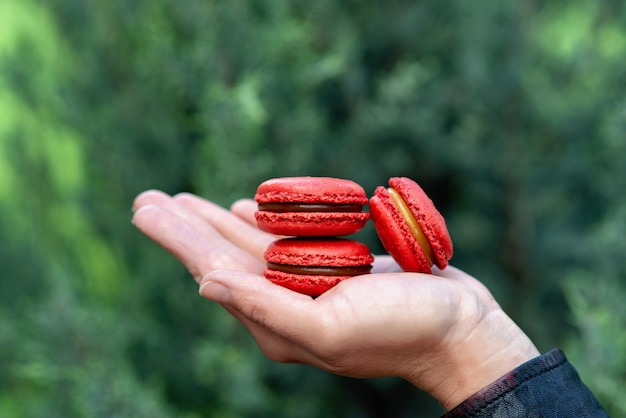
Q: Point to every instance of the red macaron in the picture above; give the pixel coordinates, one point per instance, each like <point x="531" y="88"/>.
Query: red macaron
<point x="311" y="206"/>
<point x="314" y="265"/>
<point x="410" y="227"/>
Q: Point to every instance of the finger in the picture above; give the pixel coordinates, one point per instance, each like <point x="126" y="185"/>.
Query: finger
<point x="453" y="273"/>
<point x="165" y="201"/>
<point x="195" y="250"/>
<point x="232" y="227"/>
<point x="458" y="275"/>
<point x="385" y="264"/>
<point x="245" y="209"/>
<point x="147" y="198"/>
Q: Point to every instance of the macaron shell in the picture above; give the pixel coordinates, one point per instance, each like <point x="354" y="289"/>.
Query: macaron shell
<point x="308" y="285"/>
<point x="428" y="217"/>
<point x="310" y="190"/>
<point x="335" y="252"/>
<point x="395" y="234"/>
<point x="311" y="224"/>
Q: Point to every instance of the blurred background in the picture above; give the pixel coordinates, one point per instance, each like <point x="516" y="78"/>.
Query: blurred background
<point x="511" y="115"/>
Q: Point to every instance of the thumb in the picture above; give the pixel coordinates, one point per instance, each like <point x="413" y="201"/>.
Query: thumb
<point x="219" y="285"/>
<point x="258" y="300"/>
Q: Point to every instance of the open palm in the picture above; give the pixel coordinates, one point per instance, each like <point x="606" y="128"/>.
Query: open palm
<point x="388" y="323"/>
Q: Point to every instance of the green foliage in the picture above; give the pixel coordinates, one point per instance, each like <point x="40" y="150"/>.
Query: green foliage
<point x="510" y="114"/>
<point x="595" y="293"/>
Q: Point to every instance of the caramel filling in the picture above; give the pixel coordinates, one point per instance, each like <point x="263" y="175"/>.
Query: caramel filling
<point x="309" y="207"/>
<point x="321" y="270"/>
<point x="415" y="228"/>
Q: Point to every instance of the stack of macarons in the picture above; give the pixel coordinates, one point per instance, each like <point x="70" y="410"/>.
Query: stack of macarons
<point x="316" y="213"/>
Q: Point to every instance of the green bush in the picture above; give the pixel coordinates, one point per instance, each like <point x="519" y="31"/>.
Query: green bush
<point x="510" y="114"/>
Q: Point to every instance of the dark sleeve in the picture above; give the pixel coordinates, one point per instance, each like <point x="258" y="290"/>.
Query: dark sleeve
<point x="546" y="386"/>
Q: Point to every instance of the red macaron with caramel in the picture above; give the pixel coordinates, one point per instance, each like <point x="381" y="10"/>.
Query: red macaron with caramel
<point x="410" y="227"/>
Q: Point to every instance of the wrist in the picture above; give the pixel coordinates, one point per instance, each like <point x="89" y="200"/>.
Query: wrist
<point x="464" y="365"/>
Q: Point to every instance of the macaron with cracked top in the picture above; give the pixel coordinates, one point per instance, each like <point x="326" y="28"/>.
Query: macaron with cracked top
<point x="313" y="266"/>
<point x="410" y="227"/>
<point x="311" y="206"/>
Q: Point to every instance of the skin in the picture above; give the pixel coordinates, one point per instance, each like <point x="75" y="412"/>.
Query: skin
<point x="443" y="332"/>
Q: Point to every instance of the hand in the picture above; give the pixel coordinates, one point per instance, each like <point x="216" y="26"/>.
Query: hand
<point x="443" y="332"/>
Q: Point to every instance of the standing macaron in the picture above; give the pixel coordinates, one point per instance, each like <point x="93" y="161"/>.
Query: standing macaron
<point x="314" y="265"/>
<point x="410" y="227"/>
<point x="311" y="206"/>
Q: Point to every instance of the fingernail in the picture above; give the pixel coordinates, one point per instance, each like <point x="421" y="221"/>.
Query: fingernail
<point x="214" y="291"/>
